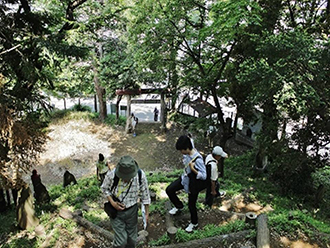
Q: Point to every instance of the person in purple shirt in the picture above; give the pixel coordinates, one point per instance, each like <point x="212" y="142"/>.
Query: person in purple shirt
<point x="193" y="180"/>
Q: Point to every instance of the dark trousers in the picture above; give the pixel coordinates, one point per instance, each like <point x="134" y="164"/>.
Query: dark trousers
<point x="209" y="197"/>
<point x="198" y="185"/>
<point x="102" y="176"/>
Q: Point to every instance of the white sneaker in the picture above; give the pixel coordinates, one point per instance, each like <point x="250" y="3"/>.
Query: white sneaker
<point x="173" y="211"/>
<point x="222" y="194"/>
<point x="191" y="227"/>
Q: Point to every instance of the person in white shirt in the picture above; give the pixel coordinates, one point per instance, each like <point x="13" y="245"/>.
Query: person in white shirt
<point x="134" y="121"/>
<point x="211" y="163"/>
<point x="193" y="180"/>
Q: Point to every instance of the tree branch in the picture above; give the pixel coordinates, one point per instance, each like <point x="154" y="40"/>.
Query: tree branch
<point x="213" y="88"/>
<point x="291" y="14"/>
<point x="69" y="14"/>
<point x="189" y="51"/>
<point x="9" y="50"/>
<point x="25" y="6"/>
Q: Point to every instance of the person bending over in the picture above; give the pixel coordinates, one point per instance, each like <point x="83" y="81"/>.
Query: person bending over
<point x="193" y="180"/>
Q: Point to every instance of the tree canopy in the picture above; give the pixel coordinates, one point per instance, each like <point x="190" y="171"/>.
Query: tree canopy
<point x="270" y="55"/>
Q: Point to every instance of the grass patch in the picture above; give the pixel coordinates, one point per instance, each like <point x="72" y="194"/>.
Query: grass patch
<point x="239" y="176"/>
<point x="112" y="121"/>
<point x="160" y="177"/>
<point x="163" y="240"/>
<point x="210" y="231"/>
<point x="73" y="196"/>
<point x="21" y="242"/>
<point x="64" y="116"/>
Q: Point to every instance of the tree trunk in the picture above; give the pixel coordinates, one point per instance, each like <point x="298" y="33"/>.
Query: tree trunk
<point x="270" y="120"/>
<point x="67" y="214"/>
<point x="217" y="241"/>
<point x="128" y="114"/>
<point x="117" y="106"/>
<point x="95" y="103"/>
<point x="163" y="112"/>
<point x="100" y="91"/>
<point x="235" y="123"/>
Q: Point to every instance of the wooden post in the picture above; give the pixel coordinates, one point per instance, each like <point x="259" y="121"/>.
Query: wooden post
<point x="262" y="232"/>
<point x="128" y="114"/>
<point x="170" y="228"/>
<point x="250" y="218"/>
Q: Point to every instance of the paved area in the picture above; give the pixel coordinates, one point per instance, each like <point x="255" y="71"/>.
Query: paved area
<point x="145" y="112"/>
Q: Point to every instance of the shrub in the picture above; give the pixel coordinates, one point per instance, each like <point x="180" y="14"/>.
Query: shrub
<point x="112" y="121"/>
<point x="81" y="108"/>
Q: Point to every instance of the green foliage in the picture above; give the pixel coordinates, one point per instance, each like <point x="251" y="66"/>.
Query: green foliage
<point x="287" y="85"/>
<point x="81" y="108"/>
<point x="7" y="219"/>
<point x="22" y="242"/>
<point x="210" y="231"/>
<point x="161" y="177"/>
<point x="63" y="116"/>
<point x="301" y="222"/>
<point x="96" y="216"/>
<point x="193" y="124"/>
<point x="158" y="206"/>
<point x="112" y="121"/>
<point x="73" y="196"/>
<point x="163" y="240"/>
<point x="240" y="177"/>
<point x="321" y="177"/>
<point x="292" y="170"/>
<point x="56" y="234"/>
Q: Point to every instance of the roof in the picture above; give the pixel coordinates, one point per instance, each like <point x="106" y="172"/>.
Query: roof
<point x="202" y="107"/>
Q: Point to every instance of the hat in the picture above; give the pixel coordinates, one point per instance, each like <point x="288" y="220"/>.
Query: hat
<point x="217" y="150"/>
<point x="127" y="168"/>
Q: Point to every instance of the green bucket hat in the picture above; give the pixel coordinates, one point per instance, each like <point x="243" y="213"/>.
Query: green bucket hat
<point x="127" y="168"/>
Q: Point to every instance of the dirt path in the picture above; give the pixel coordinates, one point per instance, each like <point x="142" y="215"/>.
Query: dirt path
<point x="75" y="146"/>
<point x="72" y="146"/>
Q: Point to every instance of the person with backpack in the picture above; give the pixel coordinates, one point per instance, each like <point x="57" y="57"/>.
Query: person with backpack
<point x="193" y="180"/>
<point x="211" y="162"/>
<point x="122" y="187"/>
<point x="133" y="122"/>
<point x="101" y="168"/>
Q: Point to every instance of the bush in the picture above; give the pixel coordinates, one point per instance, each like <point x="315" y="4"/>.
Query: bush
<point x="292" y="170"/>
<point x="321" y="177"/>
<point x="111" y="120"/>
<point x="81" y="108"/>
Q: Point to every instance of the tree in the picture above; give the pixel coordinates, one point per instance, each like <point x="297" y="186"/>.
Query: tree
<point x="28" y="62"/>
<point x="101" y="29"/>
<point x="196" y="38"/>
<point x="287" y="77"/>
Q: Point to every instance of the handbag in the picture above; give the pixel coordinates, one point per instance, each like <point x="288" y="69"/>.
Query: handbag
<point x="110" y="210"/>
